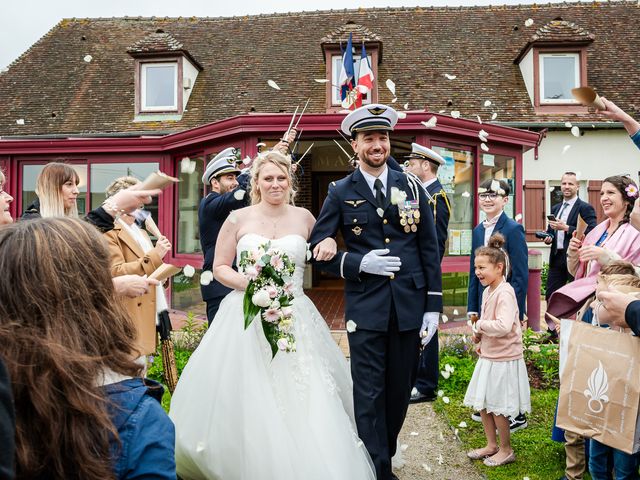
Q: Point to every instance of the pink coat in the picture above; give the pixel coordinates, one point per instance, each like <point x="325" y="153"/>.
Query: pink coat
<point x="625" y="241"/>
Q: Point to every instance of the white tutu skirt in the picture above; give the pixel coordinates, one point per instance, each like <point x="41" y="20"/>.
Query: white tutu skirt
<point x="501" y="388"/>
<point x="241" y="416"/>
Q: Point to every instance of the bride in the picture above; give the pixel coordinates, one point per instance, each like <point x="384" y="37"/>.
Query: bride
<point x="240" y="415"/>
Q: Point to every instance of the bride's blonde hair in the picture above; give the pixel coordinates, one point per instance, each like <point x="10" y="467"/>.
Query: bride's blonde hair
<point x="283" y="162"/>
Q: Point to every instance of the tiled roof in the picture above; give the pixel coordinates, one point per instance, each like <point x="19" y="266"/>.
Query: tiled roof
<point x="562" y="31"/>
<point x="54" y="90"/>
<point x="156" y="42"/>
<point x="359" y="33"/>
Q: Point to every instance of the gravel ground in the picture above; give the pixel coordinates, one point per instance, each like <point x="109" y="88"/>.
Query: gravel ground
<point x="434" y="438"/>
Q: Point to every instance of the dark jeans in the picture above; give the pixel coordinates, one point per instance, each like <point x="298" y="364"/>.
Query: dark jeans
<point x="558" y="275"/>
<point x="625" y="465"/>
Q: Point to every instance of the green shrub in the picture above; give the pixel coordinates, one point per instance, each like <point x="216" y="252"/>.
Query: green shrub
<point x="544" y="274"/>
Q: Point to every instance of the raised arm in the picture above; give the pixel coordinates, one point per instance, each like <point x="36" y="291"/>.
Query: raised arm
<point x="224" y="256"/>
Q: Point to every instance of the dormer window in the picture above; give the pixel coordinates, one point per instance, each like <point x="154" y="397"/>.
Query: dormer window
<point x="552" y="63"/>
<point x="165" y="74"/>
<point x="333" y="46"/>
<point x="159" y="87"/>
<point x="559" y="73"/>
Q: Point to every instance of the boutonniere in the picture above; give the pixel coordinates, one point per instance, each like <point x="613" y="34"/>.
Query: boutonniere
<point x="398" y="196"/>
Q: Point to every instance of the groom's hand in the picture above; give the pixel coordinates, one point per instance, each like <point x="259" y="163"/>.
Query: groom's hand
<point x="377" y="263"/>
<point x="429" y="327"/>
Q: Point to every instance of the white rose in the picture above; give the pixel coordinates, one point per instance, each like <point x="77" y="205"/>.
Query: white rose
<point x="261" y="298"/>
<point x="283" y="343"/>
<point x="275" y="304"/>
<point x="397" y="196"/>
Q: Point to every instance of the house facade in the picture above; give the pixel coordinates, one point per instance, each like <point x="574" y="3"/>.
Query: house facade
<point x="126" y="96"/>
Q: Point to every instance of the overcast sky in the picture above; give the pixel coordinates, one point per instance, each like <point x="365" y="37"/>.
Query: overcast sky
<point x="23" y="22"/>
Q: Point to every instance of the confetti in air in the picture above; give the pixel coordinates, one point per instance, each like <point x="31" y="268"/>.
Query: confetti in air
<point x="426" y="467"/>
<point x="401" y="115"/>
<point x="431" y="123"/>
<point x="482" y="135"/>
<point x="20" y="121"/>
<point x="380" y="212"/>
<point x="446" y="400"/>
<point x="414" y="434"/>
<point x="88" y="58"/>
<point x="404" y="447"/>
<point x="440" y="393"/>
<point x="568" y="124"/>
<point x="391" y="86"/>
<point x="462" y="424"/>
<point x="484" y="147"/>
<point x="233" y="218"/>
<point x="479" y="119"/>
<point x="575" y="131"/>
<point x="465" y="194"/>
<point x="565" y="148"/>
<point x="487" y="103"/>
<point x="188" y="271"/>
<point x="455" y="113"/>
<point x="455" y="310"/>
<point x="441" y="111"/>
<point x="351" y="326"/>
<point x="273" y="84"/>
<point x="494" y="115"/>
<point x="450" y="77"/>
<point x="394" y="99"/>
<point x="518" y="217"/>
<point x="528" y="22"/>
<point x="321" y="80"/>
<point x="239" y="194"/>
<point x="445" y="374"/>
<point x="445" y="319"/>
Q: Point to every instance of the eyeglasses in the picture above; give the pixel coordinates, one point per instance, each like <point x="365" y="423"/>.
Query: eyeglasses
<point x="488" y="196"/>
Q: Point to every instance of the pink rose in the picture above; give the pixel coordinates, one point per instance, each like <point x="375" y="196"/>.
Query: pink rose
<point x="272" y="315"/>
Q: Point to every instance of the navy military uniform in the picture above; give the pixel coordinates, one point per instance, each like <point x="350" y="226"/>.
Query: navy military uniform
<point x="387" y="311"/>
<point x="214" y="210"/>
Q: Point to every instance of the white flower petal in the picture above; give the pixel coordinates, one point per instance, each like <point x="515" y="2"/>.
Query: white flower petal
<point x="188" y="271"/>
<point x="185" y="164"/>
<point x="575" y="131"/>
<point x="487" y="103"/>
<point x="441" y="111"/>
<point x="450" y="77"/>
<point x="445" y="400"/>
<point x="568" y="124"/>
<point x="401" y="115"/>
<point x="445" y="319"/>
<point x="321" y="80"/>
<point x="391" y="86"/>
<point x="483" y="133"/>
<point x="88" y="58"/>
<point x="20" y="121"/>
<point x="414" y="434"/>
<point x="351" y="326"/>
<point x="406" y="106"/>
<point x="426" y="467"/>
<point x="518" y="217"/>
<point x="455" y="310"/>
<point x="239" y="194"/>
<point x="455" y="432"/>
<point x="394" y="99"/>
<point x="466" y="194"/>
<point x="494" y="115"/>
<point x="440" y="393"/>
<point x="380" y="212"/>
<point x="440" y="459"/>
<point x="479" y="119"/>
<point x="403" y="447"/>
<point x="273" y="84"/>
<point x="462" y="424"/>
<point x="206" y="277"/>
<point x="484" y="147"/>
<point x="431" y="123"/>
<point x="528" y="22"/>
<point x="455" y="113"/>
<point x="564" y="150"/>
<point x="233" y="218"/>
<point x="445" y="374"/>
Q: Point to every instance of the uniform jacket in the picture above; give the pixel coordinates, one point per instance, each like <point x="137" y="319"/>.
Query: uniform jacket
<point x="516" y="248"/>
<point x="351" y="208"/>
<point x="127" y="258"/>
<point x="214" y="210"/>
<point x="442" y="213"/>
<point x="147" y="435"/>
<point x="585" y="210"/>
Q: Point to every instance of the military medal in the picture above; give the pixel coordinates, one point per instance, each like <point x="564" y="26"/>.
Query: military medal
<point x="407" y="228"/>
<point x="414" y="228"/>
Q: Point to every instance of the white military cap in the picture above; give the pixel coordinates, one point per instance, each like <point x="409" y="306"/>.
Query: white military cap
<point x="224" y="162"/>
<point x="424" y="153"/>
<point x="370" y="117"/>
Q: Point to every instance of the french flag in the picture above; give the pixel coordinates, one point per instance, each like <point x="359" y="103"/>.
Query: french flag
<point x="346" y="80"/>
<point x="365" y="78"/>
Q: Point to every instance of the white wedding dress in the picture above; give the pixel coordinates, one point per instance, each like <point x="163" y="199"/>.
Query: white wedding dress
<point x="240" y="415"/>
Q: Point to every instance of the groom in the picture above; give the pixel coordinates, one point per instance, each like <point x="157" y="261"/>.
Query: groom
<point x="392" y="278"/>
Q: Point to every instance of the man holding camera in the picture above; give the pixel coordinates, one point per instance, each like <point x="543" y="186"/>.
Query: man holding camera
<point x="562" y="223"/>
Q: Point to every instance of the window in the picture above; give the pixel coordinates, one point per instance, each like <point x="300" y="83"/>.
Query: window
<point x="190" y="193"/>
<point x="500" y="167"/>
<point x="336" y="67"/>
<point x="559" y="73"/>
<point x="30" y="174"/>
<point x="456" y="176"/>
<point x="159" y="87"/>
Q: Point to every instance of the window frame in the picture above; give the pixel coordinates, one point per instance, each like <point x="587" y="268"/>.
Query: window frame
<point x="143" y="87"/>
<point x="576" y="74"/>
<point x="373" y="52"/>
<point x="145" y="61"/>
<point x="335" y="102"/>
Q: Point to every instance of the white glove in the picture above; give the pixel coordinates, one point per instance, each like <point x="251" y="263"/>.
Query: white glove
<point x="376" y="263"/>
<point x="429" y="327"/>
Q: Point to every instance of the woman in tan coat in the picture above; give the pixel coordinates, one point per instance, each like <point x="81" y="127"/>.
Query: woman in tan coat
<point x="132" y="253"/>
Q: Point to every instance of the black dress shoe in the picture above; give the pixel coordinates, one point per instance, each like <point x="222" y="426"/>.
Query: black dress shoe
<point x="419" y="397"/>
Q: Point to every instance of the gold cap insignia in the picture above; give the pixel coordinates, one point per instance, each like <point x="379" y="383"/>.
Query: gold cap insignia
<point x="377" y="110"/>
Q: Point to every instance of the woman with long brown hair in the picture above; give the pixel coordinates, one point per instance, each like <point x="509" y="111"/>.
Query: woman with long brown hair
<point x="82" y="411"/>
<point x="57" y="190"/>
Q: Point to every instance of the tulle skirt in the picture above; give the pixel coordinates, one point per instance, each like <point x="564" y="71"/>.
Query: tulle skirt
<point x="240" y="415"/>
<point x="501" y="388"/>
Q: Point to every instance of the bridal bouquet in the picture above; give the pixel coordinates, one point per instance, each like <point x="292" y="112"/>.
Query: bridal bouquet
<point x="269" y="294"/>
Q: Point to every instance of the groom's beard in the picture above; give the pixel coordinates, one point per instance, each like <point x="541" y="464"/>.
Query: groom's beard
<point x="364" y="158"/>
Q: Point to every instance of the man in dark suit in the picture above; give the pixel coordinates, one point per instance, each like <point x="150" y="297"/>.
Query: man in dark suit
<point x="561" y="230"/>
<point x="424" y="163"/>
<point x="228" y="192"/>
<point x="7" y="426"/>
<point x="392" y="278"/>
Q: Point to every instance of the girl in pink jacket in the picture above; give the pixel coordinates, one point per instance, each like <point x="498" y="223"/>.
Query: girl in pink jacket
<point x="499" y="387"/>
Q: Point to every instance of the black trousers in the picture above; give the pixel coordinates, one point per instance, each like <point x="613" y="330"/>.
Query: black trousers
<point x="428" y="369"/>
<point x="383" y="368"/>
<point x="213" y="305"/>
<point x="558" y="275"/>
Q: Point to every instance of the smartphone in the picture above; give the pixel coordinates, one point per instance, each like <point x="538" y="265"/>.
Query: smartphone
<point x="551" y="218"/>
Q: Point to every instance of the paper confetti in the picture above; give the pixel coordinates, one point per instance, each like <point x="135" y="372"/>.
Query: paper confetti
<point x="484" y="147"/>
<point x="185" y="165"/>
<point x="445" y="400"/>
<point x="568" y="124"/>
<point x="406" y="106"/>
<point x="88" y="58"/>
<point x="482" y="135"/>
<point x="466" y="194"/>
<point x="445" y="374"/>
<point x="455" y="310"/>
<point x="20" y="121"/>
<point x="239" y="194"/>
<point x="403" y="447"/>
<point x="445" y="319"/>
<point x="394" y="99"/>
<point x="321" y="80"/>
<point x="565" y="148"/>
<point x="380" y="212"/>
<point x="391" y="86"/>
<point x="450" y="77"/>
<point x="426" y="467"/>
<point x="494" y="115"/>
<point x="440" y="459"/>
<point x="351" y="326"/>
<point x="233" y="218"/>
<point x="487" y="103"/>
<point x="273" y="84"/>
<point x="440" y="393"/>
<point x="575" y="131"/>
<point x="462" y="424"/>
<point x="441" y="111"/>
<point x="528" y="22"/>
<point x="455" y="113"/>
<point x="414" y="434"/>
<point x="518" y="217"/>
<point x="401" y="115"/>
<point x="479" y="119"/>
<point x="431" y="123"/>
